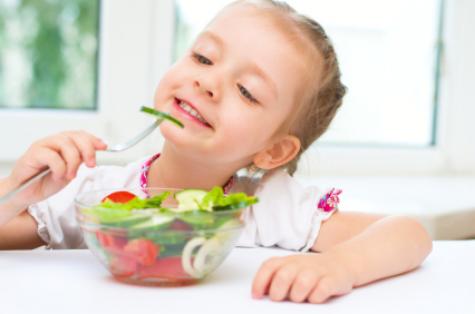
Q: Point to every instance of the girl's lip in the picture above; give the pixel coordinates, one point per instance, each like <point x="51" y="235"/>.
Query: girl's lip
<point x="189" y="116"/>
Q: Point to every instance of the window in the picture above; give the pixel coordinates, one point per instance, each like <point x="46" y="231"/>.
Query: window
<point x="103" y="91"/>
<point x="389" y="134"/>
<point x="388" y="52"/>
<point x="48" y="54"/>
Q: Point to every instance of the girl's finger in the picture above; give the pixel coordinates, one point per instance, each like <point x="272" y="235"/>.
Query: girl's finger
<point x="53" y="160"/>
<point x="323" y="291"/>
<point x="87" y="145"/>
<point x="70" y="154"/>
<point x="282" y="281"/>
<point x="303" y="285"/>
<point x="264" y="275"/>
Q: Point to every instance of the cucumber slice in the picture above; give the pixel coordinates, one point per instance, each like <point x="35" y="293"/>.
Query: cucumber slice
<point x="241" y="204"/>
<point x="125" y="221"/>
<point x="198" y="219"/>
<point x="161" y="115"/>
<point x="189" y="199"/>
<point x="153" y="223"/>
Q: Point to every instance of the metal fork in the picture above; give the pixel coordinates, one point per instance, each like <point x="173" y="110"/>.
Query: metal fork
<point x="247" y="179"/>
<point x="112" y="148"/>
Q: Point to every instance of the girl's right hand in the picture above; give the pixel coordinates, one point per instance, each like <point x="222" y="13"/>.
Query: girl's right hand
<point x="63" y="154"/>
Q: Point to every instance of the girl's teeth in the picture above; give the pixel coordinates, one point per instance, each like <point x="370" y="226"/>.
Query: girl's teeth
<point x="191" y="111"/>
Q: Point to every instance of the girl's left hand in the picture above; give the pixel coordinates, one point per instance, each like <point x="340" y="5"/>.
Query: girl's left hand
<point x="313" y="277"/>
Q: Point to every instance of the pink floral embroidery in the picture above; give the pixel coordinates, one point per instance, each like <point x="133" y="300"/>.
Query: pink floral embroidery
<point x="144" y="171"/>
<point x="330" y="200"/>
<point x="146" y="167"/>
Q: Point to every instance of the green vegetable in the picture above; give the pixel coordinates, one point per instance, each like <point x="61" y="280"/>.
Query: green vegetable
<point x="136" y="203"/>
<point x="214" y="200"/>
<point x="198" y="218"/>
<point x="194" y="208"/>
<point x="161" y="115"/>
<point x="168" y="237"/>
<point x="120" y="214"/>
<point x="189" y="199"/>
<point x="217" y="201"/>
<point x="152" y="224"/>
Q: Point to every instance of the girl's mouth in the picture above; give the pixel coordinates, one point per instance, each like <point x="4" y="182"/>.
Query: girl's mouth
<point x="189" y="111"/>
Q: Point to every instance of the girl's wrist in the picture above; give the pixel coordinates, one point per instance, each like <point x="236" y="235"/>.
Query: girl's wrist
<point x="348" y="262"/>
<point x="7" y="185"/>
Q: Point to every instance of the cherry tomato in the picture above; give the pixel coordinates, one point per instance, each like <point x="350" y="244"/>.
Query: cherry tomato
<point x="119" y="197"/>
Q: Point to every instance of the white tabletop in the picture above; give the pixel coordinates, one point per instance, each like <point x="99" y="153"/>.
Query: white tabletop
<point x="73" y="281"/>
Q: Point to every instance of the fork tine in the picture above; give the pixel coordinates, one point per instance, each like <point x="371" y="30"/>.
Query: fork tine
<point x="247" y="179"/>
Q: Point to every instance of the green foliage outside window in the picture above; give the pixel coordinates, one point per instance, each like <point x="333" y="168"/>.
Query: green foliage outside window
<point x="48" y="53"/>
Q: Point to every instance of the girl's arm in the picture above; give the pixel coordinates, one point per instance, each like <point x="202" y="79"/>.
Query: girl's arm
<point x="20" y="231"/>
<point x="375" y="247"/>
<point x="63" y="154"/>
<point x="20" y="234"/>
<point x="355" y="249"/>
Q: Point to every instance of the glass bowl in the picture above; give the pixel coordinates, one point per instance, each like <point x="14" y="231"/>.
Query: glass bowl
<point x="153" y="247"/>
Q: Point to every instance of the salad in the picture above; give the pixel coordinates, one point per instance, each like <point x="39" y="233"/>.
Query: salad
<point x="167" y="237"/>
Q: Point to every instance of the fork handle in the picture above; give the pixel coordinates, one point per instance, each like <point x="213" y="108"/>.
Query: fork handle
<point x="24" y="185"/>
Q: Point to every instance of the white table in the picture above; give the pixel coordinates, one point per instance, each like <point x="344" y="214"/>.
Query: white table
<point x="73" y="281"/>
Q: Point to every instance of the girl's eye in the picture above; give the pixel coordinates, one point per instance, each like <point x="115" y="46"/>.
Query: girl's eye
<point x="202" y="59"/>
<point x="246" y="93"/>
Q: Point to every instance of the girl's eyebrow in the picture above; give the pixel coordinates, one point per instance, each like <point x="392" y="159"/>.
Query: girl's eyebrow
<point x="254" y="67"/>
<point x="213" y="37"/>
<point x="266" y="78"/>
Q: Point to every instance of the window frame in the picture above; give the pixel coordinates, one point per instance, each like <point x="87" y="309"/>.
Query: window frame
<point x="117" y="64"/>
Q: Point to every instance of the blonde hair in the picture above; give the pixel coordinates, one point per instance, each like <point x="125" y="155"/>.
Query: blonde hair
<point x="324" y="94"/>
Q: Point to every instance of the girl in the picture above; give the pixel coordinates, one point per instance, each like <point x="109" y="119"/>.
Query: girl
<point x="257" y="87"/>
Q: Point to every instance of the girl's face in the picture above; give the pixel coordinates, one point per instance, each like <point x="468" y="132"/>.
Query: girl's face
<point x="233" y="89"/>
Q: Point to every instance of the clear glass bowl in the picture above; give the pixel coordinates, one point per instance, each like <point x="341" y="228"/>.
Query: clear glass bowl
<point x="149" y="247"/>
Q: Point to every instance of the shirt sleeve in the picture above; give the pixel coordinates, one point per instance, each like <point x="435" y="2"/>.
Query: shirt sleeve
<point x="288" y="214"/>
<point x="56" y="217"/>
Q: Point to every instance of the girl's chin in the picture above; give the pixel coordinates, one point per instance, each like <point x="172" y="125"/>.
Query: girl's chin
<point x="169" y="132"/>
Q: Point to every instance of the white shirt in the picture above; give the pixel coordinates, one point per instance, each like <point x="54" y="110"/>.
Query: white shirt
<point x="286" y="215"/>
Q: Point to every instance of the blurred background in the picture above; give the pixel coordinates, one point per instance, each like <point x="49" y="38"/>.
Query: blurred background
<point x="403" y="142"/>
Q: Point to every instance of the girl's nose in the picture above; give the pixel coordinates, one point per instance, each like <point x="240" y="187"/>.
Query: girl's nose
<point x="207" y="88"/>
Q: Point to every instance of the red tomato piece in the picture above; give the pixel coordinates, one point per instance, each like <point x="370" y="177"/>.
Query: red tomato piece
<point x="122" y="266"/>
<point x="110" y="242"/>
<point x="120" y="197"/>
<point x="166" y="268"/>
<point x="144" y="251"/>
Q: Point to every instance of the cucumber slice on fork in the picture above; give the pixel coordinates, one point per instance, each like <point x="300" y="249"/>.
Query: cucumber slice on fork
<point x="161" y="115"/>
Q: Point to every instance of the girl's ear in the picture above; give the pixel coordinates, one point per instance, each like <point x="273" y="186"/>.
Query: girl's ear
<point x="278" y="154"/>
